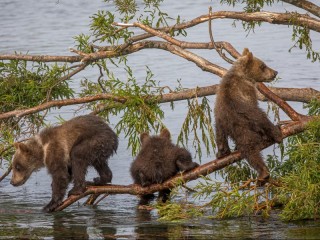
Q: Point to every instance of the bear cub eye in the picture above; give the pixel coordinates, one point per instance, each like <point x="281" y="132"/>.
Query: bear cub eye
<point x="18" y="167"/>
<point x="263" y="66"/>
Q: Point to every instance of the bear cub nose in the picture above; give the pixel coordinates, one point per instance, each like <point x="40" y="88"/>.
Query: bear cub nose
<point x="275" y="74"/>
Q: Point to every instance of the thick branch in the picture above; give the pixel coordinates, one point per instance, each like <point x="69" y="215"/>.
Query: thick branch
<point x="274" y="18"/>
<point x="270" y="17"/>
<point x="41" y="58"/>
<point x="295" y="94"/>
<point x="203" y="170"/>
<point x="202" y="63"/>
<point x="60" y="103"/>
<point x="280" y="102"/>
<point x="306" y="5"/>
<point x="115" y="53"/>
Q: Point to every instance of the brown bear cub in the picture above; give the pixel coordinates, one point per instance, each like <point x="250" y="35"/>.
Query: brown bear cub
<point x="158" y="160"/>
<point x="238" y="116"/>
<point x="67" y="151"/>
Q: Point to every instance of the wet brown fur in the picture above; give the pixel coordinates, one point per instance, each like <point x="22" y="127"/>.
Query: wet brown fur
<point x="67" y="151"/>
<point x="238" y="116"/>
<point x="158" y="160"/>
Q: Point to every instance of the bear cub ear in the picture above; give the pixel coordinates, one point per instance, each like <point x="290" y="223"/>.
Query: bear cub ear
<point x="247" y="56"/>
<point x="165" y="133"/>
<point x="143" y="137"/>
<point x="23" y="147"/>
<point x="245" y="51"/>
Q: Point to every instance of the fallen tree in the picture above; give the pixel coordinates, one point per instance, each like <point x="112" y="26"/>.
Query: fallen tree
<point x="25" y="118"/>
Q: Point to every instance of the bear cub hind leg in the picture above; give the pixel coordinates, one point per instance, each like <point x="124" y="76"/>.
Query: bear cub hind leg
<point x="105" y="174"/>
<point x="256" y="161"/>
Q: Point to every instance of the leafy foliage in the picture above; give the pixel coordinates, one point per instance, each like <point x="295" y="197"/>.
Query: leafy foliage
<point x="295" y="185"/>
<point x="140" y="112"/>
<point x="300" y="193"/>
<point x="249" y="5"/>
<point x="302" y="39"/>
<point x="300" y="33"/>
<point x="22" y="86"/>
<point x="199" y="117"/>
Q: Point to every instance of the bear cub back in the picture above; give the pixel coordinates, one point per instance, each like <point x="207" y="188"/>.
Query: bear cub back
<point x="158" y="160"/>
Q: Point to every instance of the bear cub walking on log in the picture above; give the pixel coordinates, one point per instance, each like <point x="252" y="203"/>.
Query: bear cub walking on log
<point x="158" y="160"/>
<point x="238" y="116"/>
<point x="67" y="151"/>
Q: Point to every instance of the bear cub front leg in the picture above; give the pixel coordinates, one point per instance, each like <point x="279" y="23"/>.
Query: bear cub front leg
<point x="60" y="182"/>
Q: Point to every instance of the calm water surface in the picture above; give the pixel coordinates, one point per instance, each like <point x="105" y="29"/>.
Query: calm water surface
<point x="48" y="27"/>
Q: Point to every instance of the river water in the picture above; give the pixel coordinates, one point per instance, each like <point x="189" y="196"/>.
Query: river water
<point x="48" y="27"/>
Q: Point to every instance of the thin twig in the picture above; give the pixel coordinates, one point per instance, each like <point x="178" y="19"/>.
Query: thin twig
<point x="216" y="47"/>
<point x="6" y="173"/>
<point x="102" y="197"/>
<point x="80" y="67"/>
<point x="99" y="79"/>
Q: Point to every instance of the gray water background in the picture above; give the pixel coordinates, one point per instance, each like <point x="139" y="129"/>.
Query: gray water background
<point x="48" y="27"/>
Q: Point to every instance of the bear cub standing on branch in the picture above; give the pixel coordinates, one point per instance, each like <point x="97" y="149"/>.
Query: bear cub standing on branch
<point x="158" y="160"/>
<point x="238" y="116"/>
<point x="67" y="151"/>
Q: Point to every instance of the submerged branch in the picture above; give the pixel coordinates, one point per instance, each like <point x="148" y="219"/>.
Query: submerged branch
<point x="290" y="129"/>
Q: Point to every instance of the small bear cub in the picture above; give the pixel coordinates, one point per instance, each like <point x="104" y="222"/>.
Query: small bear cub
<point x="238" y="116"/>
<point x="158" y="160"/>
<point x="67" y="151"/>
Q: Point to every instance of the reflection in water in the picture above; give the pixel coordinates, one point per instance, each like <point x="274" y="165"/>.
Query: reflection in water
<point x="64" y="225"/>
<point x="144" y="229"/>
<point x="73" y="226"/>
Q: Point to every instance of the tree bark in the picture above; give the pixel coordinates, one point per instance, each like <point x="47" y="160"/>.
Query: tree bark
<point x="287" y="94"/>
<point x="306" y="5"/>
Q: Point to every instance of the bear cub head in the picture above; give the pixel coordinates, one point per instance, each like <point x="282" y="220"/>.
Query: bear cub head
<point x="253" y="68"/>
<point x="27" y="159"/>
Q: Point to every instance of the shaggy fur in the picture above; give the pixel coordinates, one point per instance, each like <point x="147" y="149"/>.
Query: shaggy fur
<point x="158" y="160"/>
<point x="67" y="151"/>
<point x="238" y="116"/>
